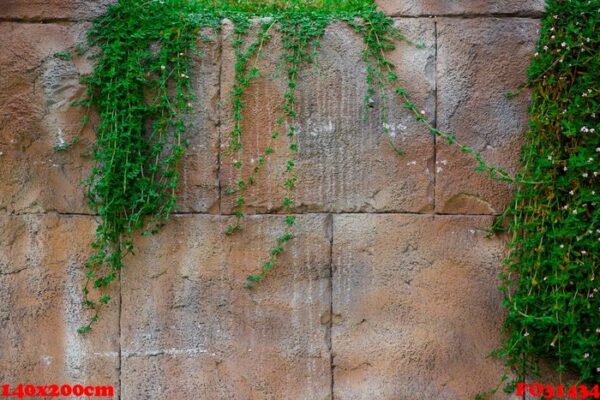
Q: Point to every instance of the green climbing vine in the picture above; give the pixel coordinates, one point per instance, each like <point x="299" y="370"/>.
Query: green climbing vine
<point x="141" y="90"/>
<point x="552" y="278"/>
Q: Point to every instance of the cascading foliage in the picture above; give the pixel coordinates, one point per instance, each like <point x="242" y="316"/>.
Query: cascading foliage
<point x="552" y="281"/>
<point x="140" y="89"/>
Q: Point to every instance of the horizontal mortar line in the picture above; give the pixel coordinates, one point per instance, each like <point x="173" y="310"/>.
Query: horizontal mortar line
<point x="535" y="15"/>
<point x="153" y="353"/>
<point x="532" y="15"/>
<point x="299" y="213"/>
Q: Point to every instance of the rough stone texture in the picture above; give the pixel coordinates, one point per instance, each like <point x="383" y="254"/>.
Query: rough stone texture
<point x="461" y="7"/>
<point x="36" y="115"/>
<point x="479" y="60"/>
<point x="344" y="163"/>
<point x="190" y="329"/>
<point x="53" y="9"/>
<point x="41" y="276"/>
<point x="199" y="188"/>
<point x="415" y="306"/>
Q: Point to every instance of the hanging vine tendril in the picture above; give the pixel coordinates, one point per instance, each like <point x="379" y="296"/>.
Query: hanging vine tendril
<point x="141" y="90"/>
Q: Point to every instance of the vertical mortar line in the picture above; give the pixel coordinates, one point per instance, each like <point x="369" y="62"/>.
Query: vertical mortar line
<point x="330" y="344"/>
<point x="219" y="114"/>
<point x="435" y="114"/>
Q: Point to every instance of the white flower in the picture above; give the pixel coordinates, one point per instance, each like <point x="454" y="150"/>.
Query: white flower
<point x="565" y="169"/>
<point x="585" y="174"/>
<point x="583" y="252"/>
<point x="571" y="193"/>
<point x="536" y="54"/>
<point x="585" y="129"/>
<point x="586" y="355"/>
<point x="526" y="334"/>
<point x="545" y="48"/>
<point x="563" y="44"/>
<point x="562" y="246"/>
<point x="597" y="149"/>
<point x="553" y="37"/>
<point x="422" y="112"/>
<point x="162" y="67"/>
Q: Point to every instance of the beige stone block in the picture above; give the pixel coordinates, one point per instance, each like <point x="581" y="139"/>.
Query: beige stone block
<point x="416" y="307"/>
<point x="344" y="161"/>
<point x="41" y="277"/>
<point x="37" y="10"/>
<point x="191" y="330"/>
<point x="36" y="115"/>
<point x="479" y="61"/>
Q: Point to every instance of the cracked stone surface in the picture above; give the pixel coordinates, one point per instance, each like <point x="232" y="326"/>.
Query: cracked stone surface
<point x="41" y="275"/>
<point x="344" y="163"/>
<point x="479" y="60"/>
<point x="416" y="306"/>
<point x="191" y="330"/>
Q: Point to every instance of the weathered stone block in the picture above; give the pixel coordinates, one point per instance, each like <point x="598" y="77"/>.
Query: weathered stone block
<point x="345" y="162"/>
<point x="479" y="61"/>
<point x="199" y="183"/>
<point x="36" y="115"/>
<point x="53" y="9"/>
<point x="190" y="329"/>
<point x="461" y="7"/>
<point x="41" y="276"/>
<point x="416" y="310"/>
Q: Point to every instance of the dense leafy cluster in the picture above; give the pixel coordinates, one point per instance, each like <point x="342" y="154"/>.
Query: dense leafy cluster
<point x="552" y="279"/>
<point x="140" y="89"/>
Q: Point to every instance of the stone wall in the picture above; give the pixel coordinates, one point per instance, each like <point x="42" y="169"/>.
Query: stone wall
<point x="389" y="291"/>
